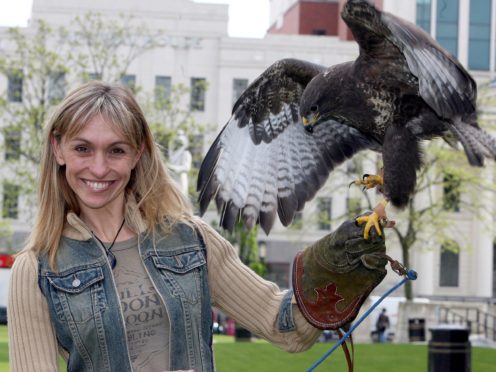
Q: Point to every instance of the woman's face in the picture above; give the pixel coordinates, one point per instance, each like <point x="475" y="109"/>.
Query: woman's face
<point x="98" y="164"/>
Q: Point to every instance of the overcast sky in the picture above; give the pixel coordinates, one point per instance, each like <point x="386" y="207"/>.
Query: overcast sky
<point x="247" y="18"/>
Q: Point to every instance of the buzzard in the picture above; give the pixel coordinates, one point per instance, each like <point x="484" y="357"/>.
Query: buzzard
<point x="297" y="121"/>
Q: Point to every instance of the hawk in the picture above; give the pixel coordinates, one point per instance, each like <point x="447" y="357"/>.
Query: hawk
<point x="297" y="121"/>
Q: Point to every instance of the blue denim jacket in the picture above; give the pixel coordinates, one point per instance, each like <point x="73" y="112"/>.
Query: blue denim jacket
<point x="84" y="304"/>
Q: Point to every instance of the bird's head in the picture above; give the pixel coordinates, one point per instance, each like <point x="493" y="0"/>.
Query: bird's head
<point x="317" y="102"/>
<point x="361" y="12"/>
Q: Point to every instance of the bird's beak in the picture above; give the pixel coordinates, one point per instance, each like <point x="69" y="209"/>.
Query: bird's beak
<point x="308" y="124"/>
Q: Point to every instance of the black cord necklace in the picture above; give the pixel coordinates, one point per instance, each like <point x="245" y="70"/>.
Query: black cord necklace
<point x="110" y="255"/>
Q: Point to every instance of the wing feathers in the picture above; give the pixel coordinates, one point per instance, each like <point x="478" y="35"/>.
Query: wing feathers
<point x="255" y="182"/>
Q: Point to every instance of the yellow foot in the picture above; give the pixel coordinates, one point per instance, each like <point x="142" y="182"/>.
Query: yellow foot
<point x="369" y="181"/>
<point x="371" y="220"/>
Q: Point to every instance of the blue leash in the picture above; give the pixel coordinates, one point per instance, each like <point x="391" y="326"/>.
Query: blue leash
<point x="410" y="275"/>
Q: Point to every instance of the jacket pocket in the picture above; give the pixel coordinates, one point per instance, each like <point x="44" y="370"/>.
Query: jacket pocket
<point x="78" y="296"/>
<point x="183" y="273"/>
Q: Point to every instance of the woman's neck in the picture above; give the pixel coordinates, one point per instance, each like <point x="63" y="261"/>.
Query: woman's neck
<point x="105" y="225"/>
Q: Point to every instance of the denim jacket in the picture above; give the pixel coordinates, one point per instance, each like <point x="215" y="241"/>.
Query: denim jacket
<point x="85" y="308"/>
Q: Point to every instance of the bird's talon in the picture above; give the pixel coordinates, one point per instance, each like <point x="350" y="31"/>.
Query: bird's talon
<point x="370" y="221"/>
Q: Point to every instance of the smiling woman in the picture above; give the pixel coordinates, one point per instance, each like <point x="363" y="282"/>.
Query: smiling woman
<point x="115" y="272"/>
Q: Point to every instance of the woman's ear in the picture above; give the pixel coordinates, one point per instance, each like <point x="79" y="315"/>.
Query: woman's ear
<point x="57" y="151"/>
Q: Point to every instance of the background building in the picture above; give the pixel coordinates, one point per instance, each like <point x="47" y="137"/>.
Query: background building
<point x="198" y="49"/>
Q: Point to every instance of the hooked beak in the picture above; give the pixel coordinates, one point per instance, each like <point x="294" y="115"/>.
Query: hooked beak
<point x="309" y="124"/>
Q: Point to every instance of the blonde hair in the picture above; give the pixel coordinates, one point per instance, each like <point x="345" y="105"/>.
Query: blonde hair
<point x="159" y="200"/>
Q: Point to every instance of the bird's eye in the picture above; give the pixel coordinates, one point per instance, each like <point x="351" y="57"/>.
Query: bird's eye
<point x="314" y="108"/>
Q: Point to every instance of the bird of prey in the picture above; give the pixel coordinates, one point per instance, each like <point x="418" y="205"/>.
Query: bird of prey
<point x="298" y="120"/>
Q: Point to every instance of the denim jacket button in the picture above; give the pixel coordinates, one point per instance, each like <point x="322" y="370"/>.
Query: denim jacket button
<point x="76" y="282"/>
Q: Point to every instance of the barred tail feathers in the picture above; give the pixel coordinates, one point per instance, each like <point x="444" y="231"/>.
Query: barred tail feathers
<point x="477" y="143"/>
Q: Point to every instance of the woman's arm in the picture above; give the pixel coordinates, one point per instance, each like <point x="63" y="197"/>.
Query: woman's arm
<point x="32" y="341"/>
<point x="250" y="300"/>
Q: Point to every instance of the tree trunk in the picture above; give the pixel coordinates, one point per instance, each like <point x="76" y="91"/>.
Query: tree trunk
<point x="405" y="249"/>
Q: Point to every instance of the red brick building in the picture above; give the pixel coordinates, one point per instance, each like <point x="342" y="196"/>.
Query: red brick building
<point x="313" y="17"/>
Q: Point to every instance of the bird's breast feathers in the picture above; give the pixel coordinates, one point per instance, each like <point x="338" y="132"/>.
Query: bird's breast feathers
<point x="380" y="106"/>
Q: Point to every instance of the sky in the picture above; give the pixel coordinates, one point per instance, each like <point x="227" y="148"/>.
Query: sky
<point x="247" y="18"/>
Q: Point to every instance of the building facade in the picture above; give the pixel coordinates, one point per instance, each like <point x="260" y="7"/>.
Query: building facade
<point x="198" y="48"/>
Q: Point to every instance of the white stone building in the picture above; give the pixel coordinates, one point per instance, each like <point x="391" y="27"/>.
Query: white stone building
<point x="199" y="47"/>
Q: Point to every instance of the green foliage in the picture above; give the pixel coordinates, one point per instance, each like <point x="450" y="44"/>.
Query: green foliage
<point x="43" y="58"/>
<point x="106" y="46"/>
<point x="445" y="185"/>
<point x="246" y="242"/>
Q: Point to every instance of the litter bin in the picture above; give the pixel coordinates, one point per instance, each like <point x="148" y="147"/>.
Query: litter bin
<point x="449" y="349"/>
<point x="416" y="329"/>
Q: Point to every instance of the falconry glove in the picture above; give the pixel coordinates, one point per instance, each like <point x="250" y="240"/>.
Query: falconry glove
<point x="333" y="277"/>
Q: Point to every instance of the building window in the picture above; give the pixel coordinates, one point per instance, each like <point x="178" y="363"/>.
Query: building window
<point x="129" y="81"/>
<point x="319" y="32"/>
<point x="447" y="25"/>
<point x="14" y="89"/>
<point x="239" y="86"/>
<point x="451" y="192"/>
<point x="424" y="15"/>
<point x="163" y="90"/>
<point x="479" y="34"/>
<point x="278" y="273"/>
<point x="10" y="200"/>
<point x="12" y="140"/>
<point x="450" y="261"/>
<point x="197" y="98"/>
<point x="325" y="205"/>
<point x="56" y="87"/>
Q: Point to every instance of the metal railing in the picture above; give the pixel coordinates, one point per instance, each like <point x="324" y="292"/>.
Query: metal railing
<point x="477" y="321"/>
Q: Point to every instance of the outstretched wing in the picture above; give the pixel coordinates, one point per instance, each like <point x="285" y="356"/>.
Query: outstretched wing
<point x="271" y="102"/>
<point x="443" y="83"/>
<point x="255" y="181"/>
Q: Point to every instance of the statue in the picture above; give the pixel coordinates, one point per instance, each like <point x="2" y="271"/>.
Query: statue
<point x="180" y="160"/>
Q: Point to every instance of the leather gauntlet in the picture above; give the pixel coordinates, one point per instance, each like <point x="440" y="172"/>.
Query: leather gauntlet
<point x="333" y="277"/>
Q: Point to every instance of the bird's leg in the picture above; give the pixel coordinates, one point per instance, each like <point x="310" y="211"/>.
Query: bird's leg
<point x="375" y="219"/>
<point x="370" y="181"/>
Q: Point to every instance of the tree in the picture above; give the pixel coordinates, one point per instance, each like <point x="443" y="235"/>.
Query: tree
<point x="445" y="185"/>
<point x="41" y="62"/>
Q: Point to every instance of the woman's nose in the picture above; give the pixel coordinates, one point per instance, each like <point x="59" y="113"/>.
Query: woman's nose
<point x="99" y="165"/>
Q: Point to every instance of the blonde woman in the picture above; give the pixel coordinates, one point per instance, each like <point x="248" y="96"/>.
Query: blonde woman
<point x="118" y="275"/>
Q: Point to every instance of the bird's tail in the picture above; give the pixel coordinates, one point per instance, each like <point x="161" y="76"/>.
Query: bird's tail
<point x="477" y="143"/>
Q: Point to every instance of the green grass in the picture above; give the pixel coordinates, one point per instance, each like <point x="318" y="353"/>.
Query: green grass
<point x="261" y="357"/>
<point x="4" y="350"/>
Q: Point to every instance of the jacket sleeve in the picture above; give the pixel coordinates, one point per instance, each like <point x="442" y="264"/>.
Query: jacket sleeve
<point x="253" y="302"/>
<point x="32" y="341"/>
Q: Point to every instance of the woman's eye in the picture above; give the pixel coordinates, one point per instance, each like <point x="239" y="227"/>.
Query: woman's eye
<point x="117" y="151"/>
<point x="81" y="148"/>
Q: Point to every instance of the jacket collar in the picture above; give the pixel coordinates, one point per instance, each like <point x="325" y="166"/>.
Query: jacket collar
<point x="75" y="228"/>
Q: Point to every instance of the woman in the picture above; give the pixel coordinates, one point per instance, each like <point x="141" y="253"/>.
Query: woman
<point x="118" y="275"/>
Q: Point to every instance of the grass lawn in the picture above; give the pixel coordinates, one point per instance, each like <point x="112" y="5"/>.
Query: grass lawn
<point x="261" y="357"/>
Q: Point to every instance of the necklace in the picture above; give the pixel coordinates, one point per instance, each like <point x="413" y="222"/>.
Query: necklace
<point x="110" y="255"/>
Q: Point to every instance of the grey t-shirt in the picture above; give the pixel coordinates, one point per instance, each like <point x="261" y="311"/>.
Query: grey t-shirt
<point x="146" y="319"/>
